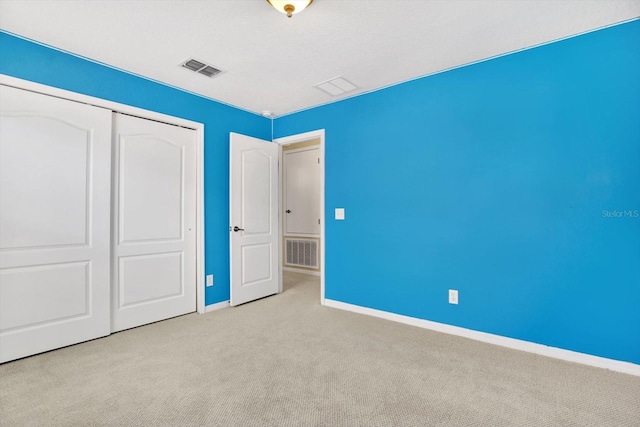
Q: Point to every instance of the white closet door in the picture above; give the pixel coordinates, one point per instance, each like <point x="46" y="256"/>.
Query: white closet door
<point x="154" y="268"/>
<point x="55" y="158"/>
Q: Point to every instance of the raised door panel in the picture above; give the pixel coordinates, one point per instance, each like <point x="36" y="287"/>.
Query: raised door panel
<point x="39" y="154"/>
<point x="256" y="265"/>
<point x="66" y="294"/>
<point x="151" y="189"/>
<point x="163" y="270"/>
<point x="256" y="192"/>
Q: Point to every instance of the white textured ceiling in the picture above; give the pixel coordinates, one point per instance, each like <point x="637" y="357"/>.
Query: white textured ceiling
<point x="271" y="62"/>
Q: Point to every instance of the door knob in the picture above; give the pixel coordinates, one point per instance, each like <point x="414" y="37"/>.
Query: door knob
<point x="288" y="211"/>
<point x="236" y="228"/>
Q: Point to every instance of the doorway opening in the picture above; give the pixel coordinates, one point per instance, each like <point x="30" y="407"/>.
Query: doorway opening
<point x="302" y="215"/>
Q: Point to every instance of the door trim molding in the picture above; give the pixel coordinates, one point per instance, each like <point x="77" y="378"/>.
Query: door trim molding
<point x="217" y="306"/>
<point x="292" y="139"/>
<point x="145" y="114"/>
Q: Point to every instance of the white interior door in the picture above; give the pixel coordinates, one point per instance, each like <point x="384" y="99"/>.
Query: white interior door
<point x="154" y="232"/>
<point x="55" y="158"/>
<point x="302" y="191"/>
<point x="254" y="233"/>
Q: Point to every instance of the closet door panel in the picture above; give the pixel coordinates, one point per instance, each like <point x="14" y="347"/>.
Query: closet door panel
<point x="55" y="168"/>
<point x="154" y="222"/>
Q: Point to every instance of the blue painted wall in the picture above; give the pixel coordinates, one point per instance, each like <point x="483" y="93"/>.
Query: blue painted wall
<point x="30" y="61"/>
<point x="494" y="179"/>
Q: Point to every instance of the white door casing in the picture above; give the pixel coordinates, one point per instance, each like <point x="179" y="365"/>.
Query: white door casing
<point x="55" y="158"/>
<point x="304" y="137"/>
<point x="253" y="213"/>
<point x="154" y="222"/>
<point x="302" y="191"/>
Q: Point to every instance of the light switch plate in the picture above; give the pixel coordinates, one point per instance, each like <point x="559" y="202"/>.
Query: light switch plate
<point x="453" y="296"/>
<point x="210" y="280"/>
<point x="340" y="213"/>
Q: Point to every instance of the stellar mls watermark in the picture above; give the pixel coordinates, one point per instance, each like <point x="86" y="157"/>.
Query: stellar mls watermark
<point x="620" y="214"/>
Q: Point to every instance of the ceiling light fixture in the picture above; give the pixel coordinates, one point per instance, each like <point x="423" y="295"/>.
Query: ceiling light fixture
<point x="290" y="7"/>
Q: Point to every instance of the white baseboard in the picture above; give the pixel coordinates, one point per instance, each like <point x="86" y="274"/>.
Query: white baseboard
<point x="300" y="270"/>
<point x="543" y="350"/>
<point x="216" y="306"/>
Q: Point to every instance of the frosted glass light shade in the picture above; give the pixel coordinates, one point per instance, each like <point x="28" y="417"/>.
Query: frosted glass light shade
<point x="290" y="7"/>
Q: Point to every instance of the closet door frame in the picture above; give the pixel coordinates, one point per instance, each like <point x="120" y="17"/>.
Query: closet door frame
<point x="145" y="114"/>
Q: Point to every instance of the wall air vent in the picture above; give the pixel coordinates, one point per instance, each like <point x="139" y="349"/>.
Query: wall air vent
<point x="200" y="67"/>
<point x="301" y="252"/>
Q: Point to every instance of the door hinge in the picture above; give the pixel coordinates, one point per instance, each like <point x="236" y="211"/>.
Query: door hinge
<point x="318" y="221"/>
<point x="318" y="160"/>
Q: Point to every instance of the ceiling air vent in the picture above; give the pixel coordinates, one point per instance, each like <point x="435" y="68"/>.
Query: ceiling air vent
<point x="200" y="67"/>
<point x="336" y="86"/>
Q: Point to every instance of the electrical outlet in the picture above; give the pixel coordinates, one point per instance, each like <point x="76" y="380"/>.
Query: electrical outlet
<point x="210" y="280"/>
<point x="453" y="296"/>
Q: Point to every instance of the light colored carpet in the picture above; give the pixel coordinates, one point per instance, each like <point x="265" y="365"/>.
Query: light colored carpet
<point x="287" y="361"/>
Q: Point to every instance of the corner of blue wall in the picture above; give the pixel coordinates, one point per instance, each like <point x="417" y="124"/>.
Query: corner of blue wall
<point x="515" y="181"/>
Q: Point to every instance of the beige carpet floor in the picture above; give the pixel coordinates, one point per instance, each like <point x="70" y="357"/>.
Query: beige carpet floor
<point x="287" y="361"/>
